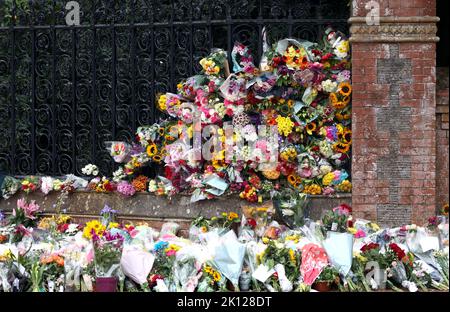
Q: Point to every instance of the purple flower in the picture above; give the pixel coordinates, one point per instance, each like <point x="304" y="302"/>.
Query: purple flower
<point x="137" y="149"/>
<point x="2" y="216"/>
<point x="108" y="210"/>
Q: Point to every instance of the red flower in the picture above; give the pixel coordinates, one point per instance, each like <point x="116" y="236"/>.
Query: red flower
<point x="62" y="227"/>
<point x="326" y="57"/>
<point x="252" y="223"/>
<point x="154" y="278"/>
<point x="397" y="250"/>
<point x="369" y="246"/>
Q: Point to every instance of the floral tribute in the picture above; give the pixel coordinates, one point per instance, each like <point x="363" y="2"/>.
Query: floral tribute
<point x="231" y="251"/>
<point x="240" y="128"/>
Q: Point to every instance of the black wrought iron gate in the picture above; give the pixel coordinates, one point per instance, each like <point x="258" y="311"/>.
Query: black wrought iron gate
<point x="64" y="90"/>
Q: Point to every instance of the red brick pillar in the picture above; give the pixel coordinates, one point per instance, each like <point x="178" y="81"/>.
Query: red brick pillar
<point x="394" y="111"/>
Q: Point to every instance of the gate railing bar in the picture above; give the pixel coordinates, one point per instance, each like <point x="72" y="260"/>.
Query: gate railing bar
<point x="183" y="23"/>
<point x="33" y="90"/>
<point x="153" y="51"/>
<point x="172" y="46"/>
<point x="94" y="84"/>
<point x="229" y="33"/>
<point x="260" y="27"/>
<point x="74" y="97"/>
<point x="191" y="41"/>
<point x="13" y="90"/>
<point x="54" y="108"/>
<point x="133" y="66"/>
<point x="114" y="81"/>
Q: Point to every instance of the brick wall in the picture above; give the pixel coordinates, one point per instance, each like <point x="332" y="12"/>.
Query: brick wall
<point x="442" y="136"/>
<point x="394" y="113"/>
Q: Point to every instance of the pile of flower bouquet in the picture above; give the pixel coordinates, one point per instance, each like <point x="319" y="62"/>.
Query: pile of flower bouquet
<point x="250" y="251"/>
<point x="250" y="131"/>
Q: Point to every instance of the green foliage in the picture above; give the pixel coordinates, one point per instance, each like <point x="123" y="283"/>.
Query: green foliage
<point x="329" y="274"/>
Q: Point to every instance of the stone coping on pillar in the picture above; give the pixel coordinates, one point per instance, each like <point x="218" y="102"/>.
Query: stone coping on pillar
<point x="395" y="29"/>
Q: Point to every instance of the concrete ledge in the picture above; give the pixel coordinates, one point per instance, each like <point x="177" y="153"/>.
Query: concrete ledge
<point x="145" y="206"/>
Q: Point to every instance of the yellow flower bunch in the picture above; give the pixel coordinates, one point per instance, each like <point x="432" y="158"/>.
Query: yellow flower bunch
<point x="292" y="256"/>
<point x="313" y="189"/>
<point x="295" y="238"/>
<point x="46" y="223"/>
<point x="162" y="102"/>
<point x="6" y="255"/>
<point x="328" y="178"/>
<point x="288" y="154"/>
<point x="209" y="66"/>
<point x="93" y="226"/>
<point x="172" y="247"/>
<point x="375" y="227"/>
<point x="285" y="125"/>
<point x="113" y="225"/>
<point x="213" y="273"/>
<point x="345" y="186"/>
<point x="232" y="216"/>
<point x="343" y="46"/>
<point x="61" y="219"/>
<point x="360" y="257"/>
<point x="295" y="57"/>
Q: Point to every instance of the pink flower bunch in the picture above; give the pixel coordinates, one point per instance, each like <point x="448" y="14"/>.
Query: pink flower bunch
<point x="343" y="209"/>
<point x="29" y="209"/>
<point x="125" y="188"/>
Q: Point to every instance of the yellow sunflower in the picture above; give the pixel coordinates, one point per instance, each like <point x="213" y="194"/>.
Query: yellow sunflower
<point x="291" y="179"/>
<point x="216" y="276"/>
<point x="311" y="127"/>
<point x="345" y="89"/>
<point x="347" y="136"/>
<point x="157" y="158"/>
<point x="152" y="149"/>
<point x="333" y="98"/>
<point x="232" y="216"/>
<point x="339" y="105"/>
<point x="341" y="147"/>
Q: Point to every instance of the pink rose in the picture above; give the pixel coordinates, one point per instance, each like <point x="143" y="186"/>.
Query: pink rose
<point x="305" y="172"/>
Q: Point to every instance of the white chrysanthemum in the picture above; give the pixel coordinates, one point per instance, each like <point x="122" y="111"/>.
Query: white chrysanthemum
<point x="329" y="86"/>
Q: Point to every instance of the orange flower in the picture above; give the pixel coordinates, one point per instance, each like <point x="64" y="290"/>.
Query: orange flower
<point x="140" y="183"/>
<point x="60" y="261"/>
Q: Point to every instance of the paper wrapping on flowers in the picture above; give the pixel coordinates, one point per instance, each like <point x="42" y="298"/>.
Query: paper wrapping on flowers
<point x="234" y="88"/>
<point x="4" y="271"/>
<point x="136" y="264"/>
<point x="303" y="45"/>
<point x="262" y="273"/>
<point x="285" y="283"/>
<point x="420" y="241"/>
<point x="215" y="186"/>
<point x="229" y="256"/>
<point x="314" y="260"/>
<point x="187" y="269"/>
<point x="9" y="186"/>
<point x="118" y="150"/>
<point x="107" y="255"/>
<point x="398" y="272"/>
<point x="339" y="248"/>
